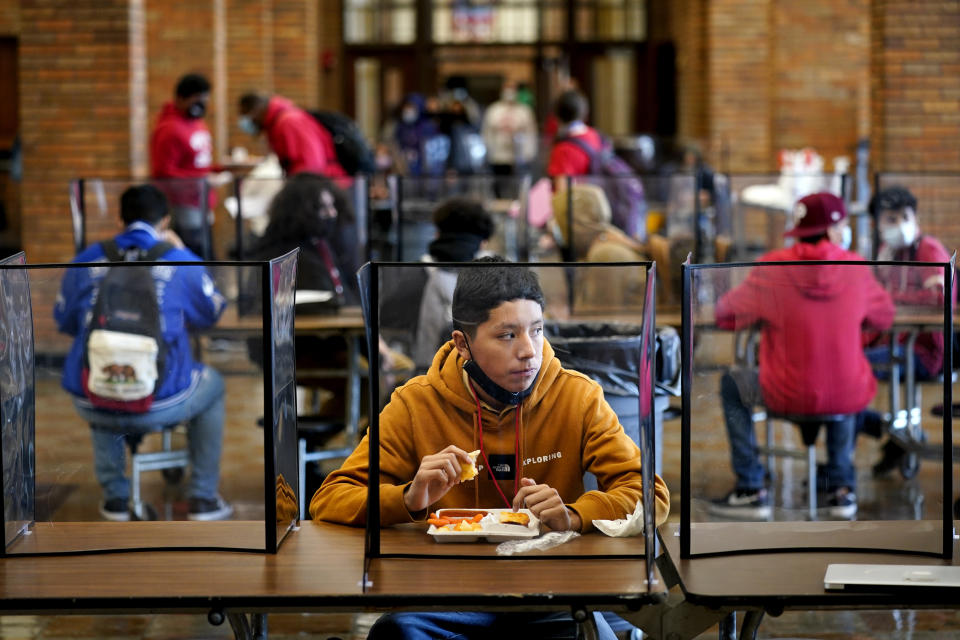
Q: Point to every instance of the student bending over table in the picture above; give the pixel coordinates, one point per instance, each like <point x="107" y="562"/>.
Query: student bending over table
<point x="497" y="387"/>
<point x="811" y="358"/>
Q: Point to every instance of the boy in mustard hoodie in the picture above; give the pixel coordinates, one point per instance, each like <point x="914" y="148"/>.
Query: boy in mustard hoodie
<point x="497" y="387"/>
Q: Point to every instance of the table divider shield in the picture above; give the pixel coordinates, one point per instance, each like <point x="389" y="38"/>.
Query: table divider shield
<point x="44" y="466"/>
<point x="788" y="304"/>
<point x="401" y="220"/>
<point x="382" y="281"/>
<point x="95" y="207"/>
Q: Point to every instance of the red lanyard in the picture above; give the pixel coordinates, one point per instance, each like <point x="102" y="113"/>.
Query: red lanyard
<point x="324" y="250"/>
<point x="516" y="451"/>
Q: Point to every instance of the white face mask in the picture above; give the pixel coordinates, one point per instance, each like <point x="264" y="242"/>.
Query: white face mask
<point x="899" y="236"/>
<point x="409" y="115"/>
<point x="846" y="239"/>
<point x="247" y="125"/>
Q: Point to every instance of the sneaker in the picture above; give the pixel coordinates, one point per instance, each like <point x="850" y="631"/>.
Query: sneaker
<point x="743" y="504"/>
<point x="842" y="504"/>
<point x="892" y="455"/>
<point x="209" y="509"/>
<point x="115" y="509"/>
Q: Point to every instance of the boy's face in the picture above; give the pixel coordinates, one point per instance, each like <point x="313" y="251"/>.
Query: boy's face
<point x="509" y="345"/>
<point x="891" y="218"/>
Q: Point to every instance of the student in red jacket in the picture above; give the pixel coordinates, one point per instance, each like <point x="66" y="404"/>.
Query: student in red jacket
<point x="300" y="142"/>
<point x="181" y="149"/>
<point x="811" y="358"/>
<point x="566" y="156"/>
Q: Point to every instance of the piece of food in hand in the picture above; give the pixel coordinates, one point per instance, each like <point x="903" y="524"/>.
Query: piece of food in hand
<point x="469" y="471"/>
<point x="511" y="517"/>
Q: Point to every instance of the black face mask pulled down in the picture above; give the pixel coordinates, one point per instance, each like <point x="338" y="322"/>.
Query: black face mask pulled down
<point x="455" y="247"/>
<point x="492" y="389"/>
<point x="196" y="110"/>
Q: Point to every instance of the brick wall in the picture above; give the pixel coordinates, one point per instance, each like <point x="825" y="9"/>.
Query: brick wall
<point x="295" y="52"/>
<point x="75" y="110"/>
<point x="915" y="85"/>
<point x="821" y="68"/>
<point x="687" y="25"/>
<point x="9" y="17"/>
<point x="755" y="76"/>
<point x="738" y="79"/>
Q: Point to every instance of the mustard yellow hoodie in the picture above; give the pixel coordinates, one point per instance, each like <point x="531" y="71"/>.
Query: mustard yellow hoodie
<point x="567" y="428"/>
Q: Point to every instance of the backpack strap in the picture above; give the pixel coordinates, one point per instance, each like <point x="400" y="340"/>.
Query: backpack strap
<point x="111" y="250"/>
<point x="113" y="253"/>
<point x="595" y="155"/>
<point x="155" y="252"/>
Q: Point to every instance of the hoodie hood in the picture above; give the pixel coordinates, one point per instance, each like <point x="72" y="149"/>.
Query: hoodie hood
<point x="446" y="376"/>
<point x="169" y="112"/>
<point x="820" y="282"/>
<point x="275" y="107"/>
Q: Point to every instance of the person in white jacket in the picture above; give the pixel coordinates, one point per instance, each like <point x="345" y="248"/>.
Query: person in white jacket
<point x="510" y="134"/>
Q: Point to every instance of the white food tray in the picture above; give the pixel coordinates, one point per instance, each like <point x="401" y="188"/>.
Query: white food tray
<point x="493" y="530"/>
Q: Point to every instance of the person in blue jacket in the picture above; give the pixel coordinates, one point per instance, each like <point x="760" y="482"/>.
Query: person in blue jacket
<point x="186" y="391"/>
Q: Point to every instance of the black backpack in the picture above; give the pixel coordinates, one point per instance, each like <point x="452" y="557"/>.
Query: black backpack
<point x="124" y="353"/>
<point x="353" y="152"/>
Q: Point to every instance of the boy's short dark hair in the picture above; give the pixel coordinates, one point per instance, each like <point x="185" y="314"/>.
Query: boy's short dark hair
<point x="143" y="202"/>
<point x="482" y="289"/>
<point x="892" y="199"/>
<point x="192" y="84"/>
<point x="250" y="101"/>
<point x="463" y="215"/>
<point x="571" y="106"/>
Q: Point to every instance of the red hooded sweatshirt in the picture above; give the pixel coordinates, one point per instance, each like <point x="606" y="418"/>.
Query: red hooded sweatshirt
<point x="299" y="141"/>
<point x="181" y="147"/>
<point x="811" y="317"/>
<point x="567" y="159"/>
<point x="916" y="286"/>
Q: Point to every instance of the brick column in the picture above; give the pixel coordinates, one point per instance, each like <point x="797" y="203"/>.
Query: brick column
<point x="739" y="77"/>
<point x="295" y="52"/>
<point x="76" y="117"/>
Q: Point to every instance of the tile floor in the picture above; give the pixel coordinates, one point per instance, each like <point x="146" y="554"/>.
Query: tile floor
<point x="68" y="491"/>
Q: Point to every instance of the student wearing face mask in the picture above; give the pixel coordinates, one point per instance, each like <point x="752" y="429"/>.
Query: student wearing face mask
<point x="300" y="142"/>
<point x="810" y="358"/>
<point x="180" y="149"/>
<point x="894" y="211"/>
<point x="421" y="146"/>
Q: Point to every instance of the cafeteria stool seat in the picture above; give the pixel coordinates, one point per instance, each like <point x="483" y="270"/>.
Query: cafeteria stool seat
<point x="170" y="461"/>
<point x="809" y="425"/>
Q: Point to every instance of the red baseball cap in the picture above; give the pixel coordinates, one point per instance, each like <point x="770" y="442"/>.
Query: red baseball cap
<point x="814" y="214"/>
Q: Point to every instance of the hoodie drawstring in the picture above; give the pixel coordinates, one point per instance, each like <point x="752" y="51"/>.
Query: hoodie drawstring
<point x="516" y="452"/>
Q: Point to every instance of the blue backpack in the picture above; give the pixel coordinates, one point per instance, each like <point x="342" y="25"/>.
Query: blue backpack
<point x="623" y="187"/>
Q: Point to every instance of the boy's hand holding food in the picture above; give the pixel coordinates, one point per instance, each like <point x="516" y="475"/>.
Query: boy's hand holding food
<point x="438" y="473"/>
<point x="545" y="503"/>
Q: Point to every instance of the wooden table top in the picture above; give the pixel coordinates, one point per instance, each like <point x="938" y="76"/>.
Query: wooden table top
<point x="791" y="580"/>
<point x="319" y="567"/>
<point x="563" y="575"/>
<point x="346" y="319"/>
